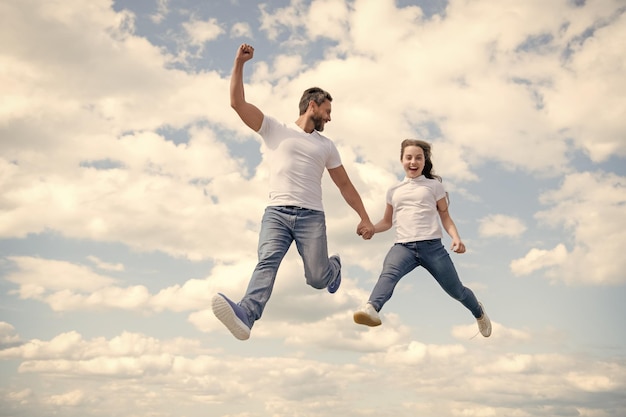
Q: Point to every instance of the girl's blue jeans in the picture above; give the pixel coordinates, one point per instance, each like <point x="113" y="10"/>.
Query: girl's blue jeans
<point x="431" y="254"/>
<point x="281" y="225"/>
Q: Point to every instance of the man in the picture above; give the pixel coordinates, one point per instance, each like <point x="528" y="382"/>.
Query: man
<point x="298" y="155"/>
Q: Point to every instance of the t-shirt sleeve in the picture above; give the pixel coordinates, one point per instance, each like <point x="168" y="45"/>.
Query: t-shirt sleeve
<point x="334" y="159"/>
<point x="388" y="197"/>
<point x="267" y="125"/>
<point x="440" y="191"/>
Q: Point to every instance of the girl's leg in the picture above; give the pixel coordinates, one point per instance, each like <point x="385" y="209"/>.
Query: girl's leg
<point x="400" y="260"/>
<point x="436" y="260"/>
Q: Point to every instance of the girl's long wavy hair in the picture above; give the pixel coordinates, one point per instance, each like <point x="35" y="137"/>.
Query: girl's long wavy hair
<point x="428" y="171"/>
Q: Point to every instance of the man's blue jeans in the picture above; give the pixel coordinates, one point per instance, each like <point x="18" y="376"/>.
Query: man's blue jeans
<point x="405" y="257"/>
<point x="279" y="228"/>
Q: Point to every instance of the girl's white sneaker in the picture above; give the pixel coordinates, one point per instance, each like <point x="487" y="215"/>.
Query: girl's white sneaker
<point x="484" y="324"/>
<point x="367" y="316"/>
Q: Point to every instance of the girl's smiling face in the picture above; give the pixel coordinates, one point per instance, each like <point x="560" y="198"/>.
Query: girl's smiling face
<point x="413" y="161"/>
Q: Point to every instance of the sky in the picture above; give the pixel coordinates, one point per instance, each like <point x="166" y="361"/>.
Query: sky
<point x="131" y="193"/>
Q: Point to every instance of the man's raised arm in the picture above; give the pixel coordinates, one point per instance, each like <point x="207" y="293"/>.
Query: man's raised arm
<point x="249" y="113"/>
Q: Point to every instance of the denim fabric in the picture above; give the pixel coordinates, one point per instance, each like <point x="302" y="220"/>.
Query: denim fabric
<point x="281" y="225"/>
<point x="431" y="254"/>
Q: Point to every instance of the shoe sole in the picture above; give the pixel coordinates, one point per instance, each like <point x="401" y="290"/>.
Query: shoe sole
<point x="488" y="329"/>
<point x="365" y="319"/>
<point x="225" y="313"/>
<point x="332" y="288"/>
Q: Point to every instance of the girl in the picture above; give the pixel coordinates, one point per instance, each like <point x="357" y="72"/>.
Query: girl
<point x="412" y="206"/>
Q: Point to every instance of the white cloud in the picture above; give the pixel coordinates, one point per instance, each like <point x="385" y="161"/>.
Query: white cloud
<point x="200" y="31"/>
<point x="593" y="72"/>
<point x="67" y="287"/>
<point x="327" y="19"/>
<point x="64" y="286"/>
<point x="290" y="17"/>
<point x="502" y="334"/>
<point x="149" y="195"/>
<point x="8" y="335"/>
<point x="500" y="225"/>
<point x="241" y="30"/>
<point x="284" y="380"/>
<point x="72" y="346"/>
<point x="71" y="398"/>
<point x="90" y="117"/>
<point x="590" y="206"/>
<point x="607" y="377"/>
<point x="537" y="259"/>
<point x="55" y="275"/>
<point x="21" y="397"/>
<point x="496" y="99"/>
<point x="413" y="354"/>
<point x="105" y="265"/>
<point x="155" y="179"/>
<point x="162" y="11"/>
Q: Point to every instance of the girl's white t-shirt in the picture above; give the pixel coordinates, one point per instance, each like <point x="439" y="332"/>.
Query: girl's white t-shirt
<point x="296" y="162"/>
<point x="415" y="214"/>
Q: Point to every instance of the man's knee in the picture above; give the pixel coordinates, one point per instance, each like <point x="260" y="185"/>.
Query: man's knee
<point x="318" y="281"/>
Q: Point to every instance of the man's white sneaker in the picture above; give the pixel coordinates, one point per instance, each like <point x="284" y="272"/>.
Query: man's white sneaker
<point x="484" y="324"/>
<point x="367" y="315"/>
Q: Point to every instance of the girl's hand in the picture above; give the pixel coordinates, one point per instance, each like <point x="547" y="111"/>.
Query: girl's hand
<point x="365" y="229"/>
<point x="458" y="246"/>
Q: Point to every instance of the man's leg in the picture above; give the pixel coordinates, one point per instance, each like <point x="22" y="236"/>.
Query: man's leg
<point x="311" y="241"/>
<point x="274" y="241"/>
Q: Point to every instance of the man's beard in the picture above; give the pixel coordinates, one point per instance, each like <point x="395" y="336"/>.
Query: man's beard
<point x="318" y="123"/>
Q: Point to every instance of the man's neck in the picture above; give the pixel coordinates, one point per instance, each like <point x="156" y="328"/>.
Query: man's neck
<point x="305" y="123"/>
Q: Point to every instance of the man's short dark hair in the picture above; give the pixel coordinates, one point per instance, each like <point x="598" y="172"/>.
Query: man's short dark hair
<point x="315" y="94"/>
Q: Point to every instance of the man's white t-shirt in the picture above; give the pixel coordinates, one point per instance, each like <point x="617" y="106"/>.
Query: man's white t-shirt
<point x="415" y="214"/>
<point x="296" y="161"/>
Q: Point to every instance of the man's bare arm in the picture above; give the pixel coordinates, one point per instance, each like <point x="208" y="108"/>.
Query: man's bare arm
<point x="249" y="113"/>
<point x="340" y="177"/>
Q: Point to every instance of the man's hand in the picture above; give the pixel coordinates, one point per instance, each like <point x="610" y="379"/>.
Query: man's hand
<point x="365" y="229"/>
<point x="244" y="53"/>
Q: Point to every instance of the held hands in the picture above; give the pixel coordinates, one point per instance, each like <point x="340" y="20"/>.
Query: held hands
<point x="458" y="246"/>
<point x="245" y="53"/>
<point x="365" y="229"/>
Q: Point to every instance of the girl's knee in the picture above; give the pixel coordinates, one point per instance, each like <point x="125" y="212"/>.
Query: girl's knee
<point x="460" y="294"/>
